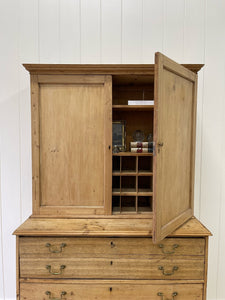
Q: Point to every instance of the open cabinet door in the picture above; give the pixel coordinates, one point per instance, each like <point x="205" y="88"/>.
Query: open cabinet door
<point x="174" y="136"/>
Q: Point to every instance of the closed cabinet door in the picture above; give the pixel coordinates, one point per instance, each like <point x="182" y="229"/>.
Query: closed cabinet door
<point x="71" y="137"/>
<point x="174" y="135"/>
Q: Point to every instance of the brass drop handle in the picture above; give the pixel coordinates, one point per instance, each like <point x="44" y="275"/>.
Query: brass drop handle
<point x="161" y="268"/>
<point x="53" y="298"/>
<point x="53" y="249"/>
<point x="162" y="296"/>
<point x="49" y="268"/>
<point x="168" y="252"/>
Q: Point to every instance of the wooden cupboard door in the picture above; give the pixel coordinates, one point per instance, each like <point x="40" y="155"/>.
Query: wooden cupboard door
<point x="71" y="118"/>
<point x="174" y="136"/>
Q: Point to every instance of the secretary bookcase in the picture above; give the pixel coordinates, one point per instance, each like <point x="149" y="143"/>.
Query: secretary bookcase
<point x="101" y="217"/>
<point x="75" y="172"/>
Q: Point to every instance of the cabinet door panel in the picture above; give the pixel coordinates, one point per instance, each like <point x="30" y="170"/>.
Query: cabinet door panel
<point x="174" y="131"/>
<point x="74" y="137"/>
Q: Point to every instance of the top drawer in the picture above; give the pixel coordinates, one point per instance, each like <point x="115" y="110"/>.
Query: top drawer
<point x="104" y="247"/>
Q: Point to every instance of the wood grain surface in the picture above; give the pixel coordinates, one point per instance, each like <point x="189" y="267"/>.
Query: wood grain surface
<point x="38" y="247"/>
<point x="104" y="290"/>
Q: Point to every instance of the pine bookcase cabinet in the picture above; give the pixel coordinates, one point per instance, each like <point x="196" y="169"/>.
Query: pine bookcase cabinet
<point x="109" y="225"/>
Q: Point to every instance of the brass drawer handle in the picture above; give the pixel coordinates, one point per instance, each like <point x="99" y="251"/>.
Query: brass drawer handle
<point x="53" y="249"/>
<point x="49" y="268"/>
<point x="161" y="268"/>
<point x="53" y="298"/>
<point x="162" y="296"/>
<point x="168" y="252"/>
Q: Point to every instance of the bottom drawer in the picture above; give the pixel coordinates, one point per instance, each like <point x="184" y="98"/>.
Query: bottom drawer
<point x="110" y="290"/>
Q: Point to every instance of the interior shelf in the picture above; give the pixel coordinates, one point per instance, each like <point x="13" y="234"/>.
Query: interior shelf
<point x="145" y="192"/>
<point x="131" y="173"/>
<point x="132" y="154"/>
<point x="133" y="107"/>
<point x="131" y="192"/>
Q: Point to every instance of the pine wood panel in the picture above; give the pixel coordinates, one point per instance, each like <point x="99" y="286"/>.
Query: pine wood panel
<point x="70" y="144"/>
<point x="17" y="268"/>
<point x="35" y="129"/>
<point x="35" y="247"/>
<point x="102" y="227"/>
<point x="206" y="266"/>
<point x="111" y="290"/>
<point x="174" y="128"/>
<point x="73" y="130"/>
<point x="190" y="267"/>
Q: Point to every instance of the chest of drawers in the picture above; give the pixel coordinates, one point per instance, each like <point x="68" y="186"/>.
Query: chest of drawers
<point x="108" y="262"/>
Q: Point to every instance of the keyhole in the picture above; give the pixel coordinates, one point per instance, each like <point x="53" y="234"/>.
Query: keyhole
<point x="110" y="289"/>
<point x="111" y="262"/>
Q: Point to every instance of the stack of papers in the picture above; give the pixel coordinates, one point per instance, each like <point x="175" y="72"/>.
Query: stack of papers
<point x="140" y="102"/>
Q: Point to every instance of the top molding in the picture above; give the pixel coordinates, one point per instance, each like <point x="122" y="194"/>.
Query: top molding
<point x="104" y="69"/>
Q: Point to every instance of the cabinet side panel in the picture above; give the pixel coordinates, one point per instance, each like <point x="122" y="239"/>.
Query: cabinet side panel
<point x="35" y="143"/>
<point x="72" y="144"/>
<point x="206" y="267"/>
<point x="17" y="268"/>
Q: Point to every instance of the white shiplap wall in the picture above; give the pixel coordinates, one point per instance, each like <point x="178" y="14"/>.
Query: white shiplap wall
<point x="111" y="31"/>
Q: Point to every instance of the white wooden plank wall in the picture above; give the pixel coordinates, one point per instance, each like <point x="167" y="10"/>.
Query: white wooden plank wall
<point x="106" y="31"/>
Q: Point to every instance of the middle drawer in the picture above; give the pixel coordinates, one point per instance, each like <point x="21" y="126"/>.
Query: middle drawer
<point x="118" y="268"/>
